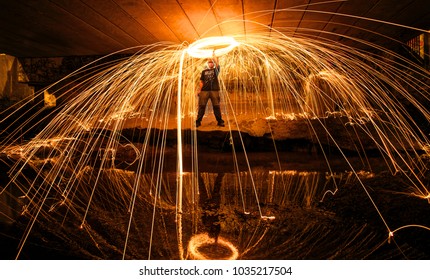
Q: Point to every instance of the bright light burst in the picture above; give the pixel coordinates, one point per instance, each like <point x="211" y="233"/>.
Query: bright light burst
<point x="268" y="83"/>
<point x="207" y="47"/>
<point x="199" y="241"/>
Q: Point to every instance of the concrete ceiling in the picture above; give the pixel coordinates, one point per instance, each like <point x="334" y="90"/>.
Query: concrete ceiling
<point x="44" y="28"/>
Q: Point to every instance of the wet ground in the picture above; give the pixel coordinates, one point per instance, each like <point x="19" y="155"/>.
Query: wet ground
<point x="306" y="199"/>
<point x="309" y="222"/>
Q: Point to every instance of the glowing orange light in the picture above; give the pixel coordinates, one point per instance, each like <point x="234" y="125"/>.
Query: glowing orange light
<point x="268" y="217"/>
<point x="204" y="48"/>
<point x="200" y="240"/>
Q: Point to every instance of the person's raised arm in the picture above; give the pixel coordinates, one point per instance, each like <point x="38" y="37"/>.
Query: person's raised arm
<point x="215" y="59"/>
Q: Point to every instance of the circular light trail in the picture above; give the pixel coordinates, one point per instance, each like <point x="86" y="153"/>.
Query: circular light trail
<point x="205" y="47"/>
<point x="199" y="241"/>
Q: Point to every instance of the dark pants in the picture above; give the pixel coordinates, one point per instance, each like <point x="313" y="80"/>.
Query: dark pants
<point x="215" y="98"/>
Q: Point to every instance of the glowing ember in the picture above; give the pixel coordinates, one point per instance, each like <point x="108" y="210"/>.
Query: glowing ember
<point x="198" y="243"/>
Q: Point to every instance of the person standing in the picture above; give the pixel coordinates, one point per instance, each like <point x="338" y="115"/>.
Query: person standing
<point x="210" y="89"/>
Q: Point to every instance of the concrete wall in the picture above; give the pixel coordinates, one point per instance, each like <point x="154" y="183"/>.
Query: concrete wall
<point x="13" y="80"/>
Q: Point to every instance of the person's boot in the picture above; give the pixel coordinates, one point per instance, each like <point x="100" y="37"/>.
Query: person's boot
<point x="200" y="115"/>
<point x="217" y="113"/>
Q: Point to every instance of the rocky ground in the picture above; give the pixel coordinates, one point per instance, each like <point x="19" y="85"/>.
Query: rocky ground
<point x="354" y="223"/>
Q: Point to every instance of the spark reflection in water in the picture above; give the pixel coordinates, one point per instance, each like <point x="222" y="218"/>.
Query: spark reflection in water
<point x="199" y="241"/>
<point x="268" y="83"/>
